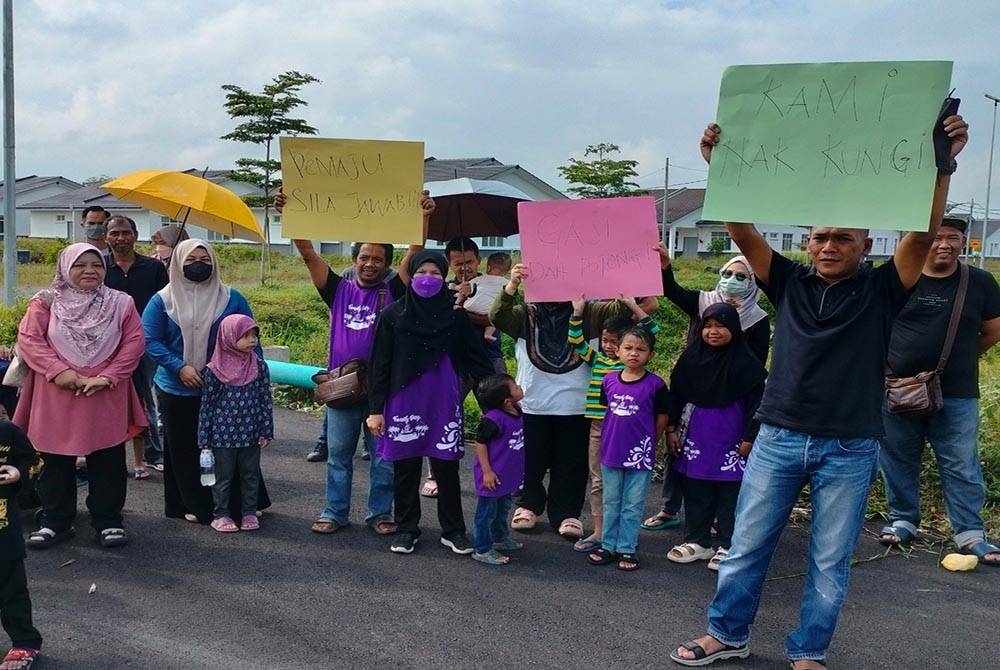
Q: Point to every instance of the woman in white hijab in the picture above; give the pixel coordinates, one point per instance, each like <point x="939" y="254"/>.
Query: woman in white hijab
<point x="181" y="322"/>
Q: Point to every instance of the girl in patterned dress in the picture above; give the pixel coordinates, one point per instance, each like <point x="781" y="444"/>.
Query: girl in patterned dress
<point x="715" y="386"/>
<point x="635" y="419"/>
<point x="235" y="420"/>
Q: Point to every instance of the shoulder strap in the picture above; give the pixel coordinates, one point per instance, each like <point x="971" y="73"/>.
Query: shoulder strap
<point x="956" y="315"/>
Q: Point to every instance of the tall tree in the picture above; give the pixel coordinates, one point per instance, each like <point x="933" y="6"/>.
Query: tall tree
<point x="263" y="117"/>
<point x="600" y="177"/>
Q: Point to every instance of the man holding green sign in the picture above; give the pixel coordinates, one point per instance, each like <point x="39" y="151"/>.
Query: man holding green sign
<point x="821" y="412"/>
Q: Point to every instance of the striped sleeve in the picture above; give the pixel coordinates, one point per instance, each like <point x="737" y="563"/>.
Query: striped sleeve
<point x="575" y="337"/>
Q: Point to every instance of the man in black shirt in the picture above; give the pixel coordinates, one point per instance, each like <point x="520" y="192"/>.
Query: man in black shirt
<point x="141" y="277"/>
<point x="917" y="340"/>
<point x="820" y="418"/>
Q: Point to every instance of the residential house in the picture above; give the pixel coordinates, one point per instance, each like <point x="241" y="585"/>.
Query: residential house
<point x="32" y="189"/>
<point x="59" y="215"/>
<point x="491" y="169"/>
<point x="692" y="235"/>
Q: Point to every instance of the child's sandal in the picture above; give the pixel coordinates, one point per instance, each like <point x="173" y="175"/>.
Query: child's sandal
<point x="602" y="557"/>
<point x="628" y="562"/>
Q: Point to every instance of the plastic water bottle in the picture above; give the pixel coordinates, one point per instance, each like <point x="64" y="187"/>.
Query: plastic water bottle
<point x="207" y="463"/>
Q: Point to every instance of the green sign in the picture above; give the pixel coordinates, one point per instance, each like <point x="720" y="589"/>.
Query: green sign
<point x="827" y="144"/>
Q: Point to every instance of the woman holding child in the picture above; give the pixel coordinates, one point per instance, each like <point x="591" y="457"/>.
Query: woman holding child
<point x="181" y="324"/>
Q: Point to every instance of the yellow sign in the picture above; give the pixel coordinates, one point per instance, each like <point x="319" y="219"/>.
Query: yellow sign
<point x="352" y="190"/>
<point x="974" y="245"/>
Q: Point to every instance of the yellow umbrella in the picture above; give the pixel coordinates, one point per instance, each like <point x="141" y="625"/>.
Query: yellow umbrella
<point x="185" y="197"/>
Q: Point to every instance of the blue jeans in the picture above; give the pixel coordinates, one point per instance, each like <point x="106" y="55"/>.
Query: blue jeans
<point x="839" y="472"/>
<point x="491" y="521"/>
<point x="343" y="427"/>
<point x="953" y="433"/>
<point x="624" y="498"/>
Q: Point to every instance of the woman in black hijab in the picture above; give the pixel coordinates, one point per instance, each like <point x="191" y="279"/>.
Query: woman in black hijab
<point x="422" y="346"/>
<point x="715" y="389"/>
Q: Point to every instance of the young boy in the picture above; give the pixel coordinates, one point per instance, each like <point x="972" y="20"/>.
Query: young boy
<point x="601" y="364"/>
<point x="16" y="458"/>
<point x="486" y="288"/>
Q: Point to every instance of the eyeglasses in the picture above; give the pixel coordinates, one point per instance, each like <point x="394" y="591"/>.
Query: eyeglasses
<point x="726" y="274"/>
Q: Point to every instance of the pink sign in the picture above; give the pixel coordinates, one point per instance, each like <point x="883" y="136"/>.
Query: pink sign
<point x="599" y="248"/>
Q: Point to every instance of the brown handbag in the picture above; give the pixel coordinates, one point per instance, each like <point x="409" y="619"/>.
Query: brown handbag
<point x="920" y="394"/>
<point x="346" y="386"/>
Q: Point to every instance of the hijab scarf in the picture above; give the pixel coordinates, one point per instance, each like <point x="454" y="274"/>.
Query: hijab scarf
<point x="85" y="327"/>
<point x="548" y="347"/>
<point x="194" y="306"/>
<point x="708" y="376"/>
<point x="231" y="366"/>
<point x="424" y="327"/>
<point x="750" y="312"/>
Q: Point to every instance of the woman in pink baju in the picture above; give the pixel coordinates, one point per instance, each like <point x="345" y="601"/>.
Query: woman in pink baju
<point x="81" y="341"/>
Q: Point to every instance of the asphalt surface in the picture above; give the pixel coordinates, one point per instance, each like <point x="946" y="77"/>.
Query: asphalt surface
<point x="183" y="596"/>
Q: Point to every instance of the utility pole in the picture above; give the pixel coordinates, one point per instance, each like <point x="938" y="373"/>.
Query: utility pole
<point x="9" y="175"/>
<point x="989" y="178"/>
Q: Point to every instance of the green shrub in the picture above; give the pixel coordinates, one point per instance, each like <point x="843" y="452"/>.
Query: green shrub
<point x="9" y="318"/>
<point x="43" y="250"/>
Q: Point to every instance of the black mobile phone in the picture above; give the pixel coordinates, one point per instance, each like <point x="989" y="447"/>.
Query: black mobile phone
<point x="942" y="143"/>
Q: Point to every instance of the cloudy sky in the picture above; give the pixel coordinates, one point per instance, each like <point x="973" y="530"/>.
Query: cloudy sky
<point x="106" y="87"/>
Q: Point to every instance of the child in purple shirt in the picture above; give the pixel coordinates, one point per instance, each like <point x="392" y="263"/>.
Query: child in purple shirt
<point x="636" y="418"/>
<point x="716" y="386"/>
<point x="499" y="467"/>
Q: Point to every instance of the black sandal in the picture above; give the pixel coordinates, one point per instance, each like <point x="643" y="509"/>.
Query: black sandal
<point x="45" y="538"/>
<point x="602" y="557"/>
<point x="628" y="562"/>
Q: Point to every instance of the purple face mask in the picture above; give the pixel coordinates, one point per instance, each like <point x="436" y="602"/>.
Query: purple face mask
<point x="427" y="286"/>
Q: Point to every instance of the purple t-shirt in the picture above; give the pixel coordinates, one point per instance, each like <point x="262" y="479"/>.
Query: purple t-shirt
<point x="711" y="444"/>
<point x="503" y="436"/>
<point x="424" y="418"/>
<point x="352" y="320"/>
<point x="628" y="436"/>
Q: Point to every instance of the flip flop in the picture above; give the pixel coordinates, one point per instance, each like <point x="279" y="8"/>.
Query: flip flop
<point x="140" y="473"/>
<point x="586" y="545"/>
<point x="703" y="658"/>
<point x="430" y="489"/>
<point x="660" y="522"/>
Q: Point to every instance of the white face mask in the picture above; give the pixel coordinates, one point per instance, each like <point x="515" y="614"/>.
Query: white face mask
<point x="734" y="287"/>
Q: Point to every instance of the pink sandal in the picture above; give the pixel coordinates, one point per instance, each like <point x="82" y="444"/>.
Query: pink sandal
<point x="224" y="525"/>
<point x="23" y="655"/>
<point x="249" y="522"/>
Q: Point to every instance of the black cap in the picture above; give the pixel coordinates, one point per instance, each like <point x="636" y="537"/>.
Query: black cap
<point x="953" y="222"/>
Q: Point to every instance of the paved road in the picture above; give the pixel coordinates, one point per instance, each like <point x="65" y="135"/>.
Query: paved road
<point x="183" y="596"/>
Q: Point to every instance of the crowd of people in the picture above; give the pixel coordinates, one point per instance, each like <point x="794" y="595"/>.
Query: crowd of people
<point x="140" y="340"/>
